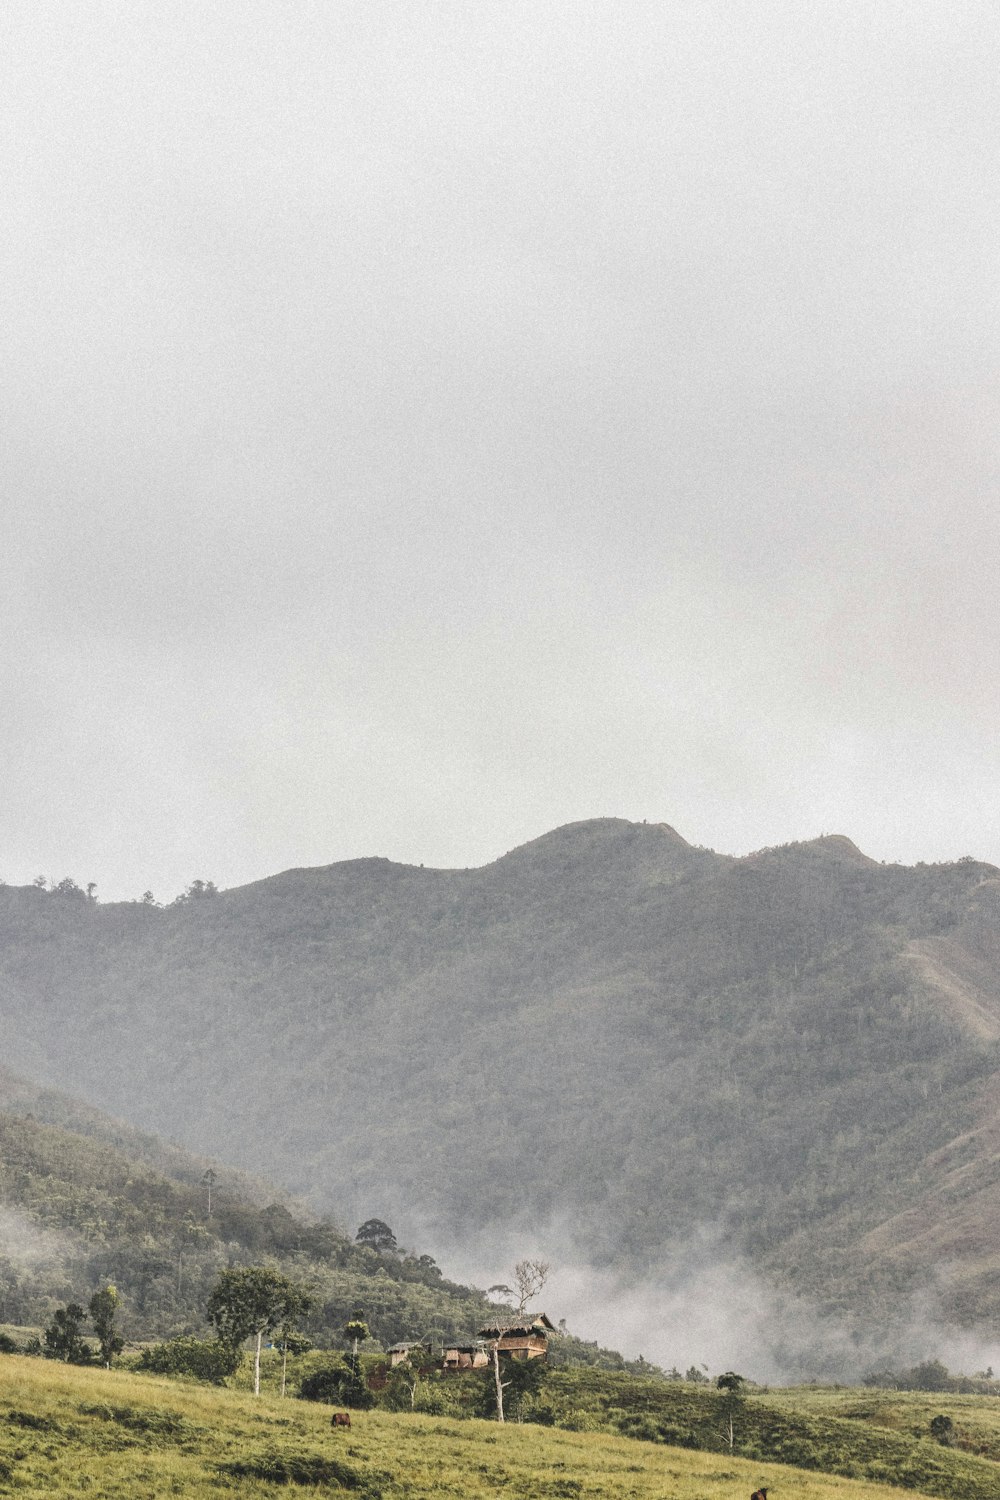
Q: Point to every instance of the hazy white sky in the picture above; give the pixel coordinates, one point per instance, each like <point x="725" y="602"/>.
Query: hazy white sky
<point x="428" y="423"/>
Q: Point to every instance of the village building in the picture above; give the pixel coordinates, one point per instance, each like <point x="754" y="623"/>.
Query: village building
<point x="398" y="1353"/>
<point x="517" y="1336"/>
<point x="464" y="1357"/>
<point x="520" y="1336"/>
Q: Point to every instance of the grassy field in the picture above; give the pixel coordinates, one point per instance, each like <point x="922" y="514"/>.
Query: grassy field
<point x="66" y="1431"/>
<point x="857" y="1434"/>
<point x="975" y="1419"/>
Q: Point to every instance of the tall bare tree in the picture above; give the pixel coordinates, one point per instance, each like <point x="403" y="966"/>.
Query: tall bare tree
<point x="530" y="1277"/>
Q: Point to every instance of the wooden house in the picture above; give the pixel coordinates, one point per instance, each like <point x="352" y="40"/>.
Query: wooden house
<point x="417" y="1353"/>
<point x="465" y="1357"/>
<point x="520" y="1336"/>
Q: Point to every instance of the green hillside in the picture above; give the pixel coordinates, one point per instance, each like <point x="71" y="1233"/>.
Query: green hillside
<point x="850" y="1433"/>
<point x="77" y="1212"/>
<point x="608" y="1028"/>
<point x="63" y="1430"/>
<point x="21" y="1098"/>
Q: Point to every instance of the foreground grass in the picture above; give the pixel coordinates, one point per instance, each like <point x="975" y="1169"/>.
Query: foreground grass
<point x="831" y="1432"/>
<point x="67" y="1432"/>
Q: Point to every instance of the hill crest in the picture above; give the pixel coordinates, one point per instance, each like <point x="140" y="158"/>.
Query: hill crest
<point x="608" y="1039"/>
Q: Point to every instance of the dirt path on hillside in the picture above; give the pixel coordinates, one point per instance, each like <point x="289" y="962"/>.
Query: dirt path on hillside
<point x="969" y="987"/>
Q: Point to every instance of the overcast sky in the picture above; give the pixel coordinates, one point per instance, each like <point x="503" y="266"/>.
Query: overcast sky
<point x="425" y="424"/>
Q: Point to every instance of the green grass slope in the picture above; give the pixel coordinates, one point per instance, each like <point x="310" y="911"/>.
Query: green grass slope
<point x="125" y="1437"/>
<point x="607" y="1028"/>
<point x="975" y="1419"/>
<point x="846" y="1433"/>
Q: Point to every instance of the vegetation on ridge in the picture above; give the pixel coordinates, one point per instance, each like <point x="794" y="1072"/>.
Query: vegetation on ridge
<point x="77" y="1214"/>
<point x="608" y="1027"/>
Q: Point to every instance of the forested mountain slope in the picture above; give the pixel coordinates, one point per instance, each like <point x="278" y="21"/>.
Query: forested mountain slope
<point x="608" y="1028"/>
<point x="21" y="1098"/>
<point x="78" y="1211"/>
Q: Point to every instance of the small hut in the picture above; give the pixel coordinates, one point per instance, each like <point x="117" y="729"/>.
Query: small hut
<point x="464" y="1357"/>
<point x="398" y="1353"/>
<point x="521" y="1336"/>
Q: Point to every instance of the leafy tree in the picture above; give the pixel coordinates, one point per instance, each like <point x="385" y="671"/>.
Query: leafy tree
<point x="323" y="1384"/>
<point x="339" y="1383"/>
<point x="932" y="1375"/>
<point x="291" y="1341"/>
<point x="524" y="1379"/>
<point x="248" y="1302"/>
<point x="731" y="1386"/>
<point x="402" y="1385"/>
<point x="294" y="1343"/>
<point x="205" y="1359"/>
<point x="102" y="1307"/>
<point x="342" y="1381"/>
<point x="63" y="1337"/>
<point x="377" y="1235"/>
<point x="356" y="1331"/>
<point x="196" y="891"/>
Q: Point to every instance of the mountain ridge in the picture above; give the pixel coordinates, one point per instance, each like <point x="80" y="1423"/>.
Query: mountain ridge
<point x="607" y="1029"/>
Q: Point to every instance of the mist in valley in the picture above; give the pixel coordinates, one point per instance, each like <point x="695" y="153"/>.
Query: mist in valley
<point x="430" y="425"/>
<point x="711" y="1310"/>
<point x="29" y="1248"/>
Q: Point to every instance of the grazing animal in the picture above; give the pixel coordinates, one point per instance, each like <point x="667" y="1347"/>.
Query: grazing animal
<point x="759" y="1495"/>
<point x="343" y="1419"/>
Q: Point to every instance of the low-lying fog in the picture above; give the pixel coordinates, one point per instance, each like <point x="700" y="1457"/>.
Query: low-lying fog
<point x="25" y="1245"/>
<point x="712" y="1311"/>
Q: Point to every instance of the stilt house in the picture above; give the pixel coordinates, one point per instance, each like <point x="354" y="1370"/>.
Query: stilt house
<point x="521" y="1336"/>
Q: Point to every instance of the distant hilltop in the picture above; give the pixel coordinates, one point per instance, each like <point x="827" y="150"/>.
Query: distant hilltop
<point x="608" y="1028"/>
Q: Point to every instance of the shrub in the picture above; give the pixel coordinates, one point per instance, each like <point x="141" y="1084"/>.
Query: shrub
<point x="942" y="1430"/>
<point x="300" y="1468"/>
<point x="339" y="1384"/>
<point x="430" y="1399"/>
<point x="141" y="1419"/>
<point x="323" y="1384"/>
<point x="651" y="1429"/>
<point x="523" y="1381"/>
<point x="63" y="1338"/>
<point x="205" y="1359"/>
<point x="32" y="1421"/>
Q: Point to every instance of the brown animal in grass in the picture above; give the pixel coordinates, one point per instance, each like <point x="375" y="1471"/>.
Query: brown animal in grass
<point x="759" y="1495"/>
<point x="343" y="1419"/>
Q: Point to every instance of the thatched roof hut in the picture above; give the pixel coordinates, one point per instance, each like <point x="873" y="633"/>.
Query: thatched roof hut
<point x="520" y="1335"/>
